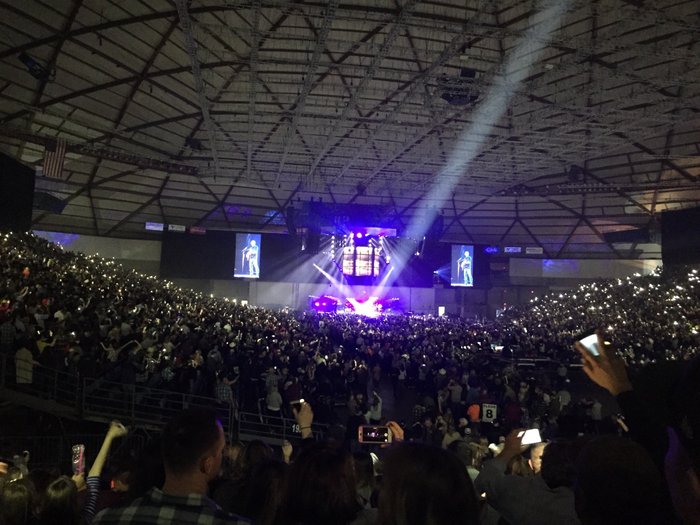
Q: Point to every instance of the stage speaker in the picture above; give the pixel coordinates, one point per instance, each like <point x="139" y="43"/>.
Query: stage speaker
<point x="637" y="235"/>
<point x="436" y="228"/>
<point x="47" y="202"/>
<point x="680" y="242"/>
<point x="16" y="195"/>
<point x="313" y="240"/>
<point x="291" y="220"/>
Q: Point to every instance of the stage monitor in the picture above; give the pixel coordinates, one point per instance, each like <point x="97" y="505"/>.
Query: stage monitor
<point x="248" y="247"/>
<point x="462" y="265"/>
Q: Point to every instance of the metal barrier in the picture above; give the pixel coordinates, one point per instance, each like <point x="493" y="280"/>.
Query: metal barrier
<point x="101" y="400"/>
<point x="53" y="451"/>
<point x="49" y="387"/>
<point x="273" y="429"/>
<point x="144" y="407"/>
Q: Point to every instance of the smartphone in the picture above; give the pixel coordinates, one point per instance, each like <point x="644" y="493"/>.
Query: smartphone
<point x="530" y="437"/>
<point x="373" y="434"/>
<point x="78" y="459"/>
<point x="590" y="343"/>
<point x="296" y="404"/>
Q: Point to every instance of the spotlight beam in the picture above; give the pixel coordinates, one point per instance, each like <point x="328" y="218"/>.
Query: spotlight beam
<point x="516" y="68"/>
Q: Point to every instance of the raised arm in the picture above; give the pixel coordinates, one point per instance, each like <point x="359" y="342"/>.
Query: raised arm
<point x="305" y="418"/>
<point x="116" y="430"/>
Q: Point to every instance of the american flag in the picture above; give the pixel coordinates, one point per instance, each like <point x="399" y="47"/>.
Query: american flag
<point x="54" y="155"/>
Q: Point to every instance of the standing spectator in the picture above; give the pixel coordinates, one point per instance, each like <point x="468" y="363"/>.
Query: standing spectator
<point x="535" y="460"/>
<point x="24" y="365"/>
<point x="617" y="483"/>
<point x="7" y="335"/>
<point x="224" y="394"/>
<point x="60" y="502"/>
<point x="545" y="499"/>
<point x="18" y="503"/>
<point x="426" y="485"/>
<point x="192" y="447"/>
<point x="455" y="390"/>
<point x="375" y="409"/>
<point x="273" y="402"/>
<point x="321" y="489"/>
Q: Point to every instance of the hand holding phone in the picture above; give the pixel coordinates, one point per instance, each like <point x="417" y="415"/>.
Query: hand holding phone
<point x="374" y="434"/>
<point x="78" y="459"/>
<point x="296" y="404"/>
<point x="605" y="369"/>
<point x="590" y="343"/>
<point x="530" y="437"/>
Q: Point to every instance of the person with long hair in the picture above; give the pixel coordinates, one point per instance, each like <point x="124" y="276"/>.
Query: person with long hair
<point x="265" y="491"/>
<point x="60" y="503"/>
<point x="321" y="489"/>
<point x="18" y="503"/>
<point x="422" y="485"/>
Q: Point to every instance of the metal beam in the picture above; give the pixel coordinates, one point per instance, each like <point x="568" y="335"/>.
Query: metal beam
<point x="140" y="208"/>
<point x="252" y="85"/>
<point x="369" y="74"/>
<point x="308" y="82"/>
<point x="585" y="219"/>
<point x="220" y="203"/>
<point x="51" y="64"/>
<point x="102" y="152"/>
<point x="199" y="87"/>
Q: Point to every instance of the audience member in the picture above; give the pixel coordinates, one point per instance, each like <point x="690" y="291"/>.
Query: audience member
<point x="192" y="447"/>
<point x="424" y="484"/>
<point x="617" y="483"/>
<point x="546" y="498"/>
<point x="133" y="337"/>
<point x="321" y="488"/>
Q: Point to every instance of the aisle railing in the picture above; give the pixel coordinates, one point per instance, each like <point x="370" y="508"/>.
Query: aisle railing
<point x="272" y="429"/>
<point x="46" y="383"/>
<point x="134" y="405"/>
<point x="101" y="400"/>
<point x="52" y="451"/>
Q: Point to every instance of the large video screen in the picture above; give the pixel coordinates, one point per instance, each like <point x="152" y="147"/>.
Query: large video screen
<point x="363" y="255"/>
<point x="462" y="267"/>
<point x="248" y="248"/>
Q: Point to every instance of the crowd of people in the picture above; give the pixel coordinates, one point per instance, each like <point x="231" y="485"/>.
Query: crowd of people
<point x="91" y="318"/>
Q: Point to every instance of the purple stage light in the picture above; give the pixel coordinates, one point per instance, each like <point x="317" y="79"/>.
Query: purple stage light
<point x="323" y="303"/>
<point x="366" y="307"/>
<point x="359" y="235"/>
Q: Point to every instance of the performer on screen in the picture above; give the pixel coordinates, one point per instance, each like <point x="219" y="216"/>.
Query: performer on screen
<point x="464" y="265"/>
<point x="249" y="255"/>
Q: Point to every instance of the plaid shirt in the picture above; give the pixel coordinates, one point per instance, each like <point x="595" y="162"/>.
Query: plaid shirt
<point x="157" y="508"/>
<point x="224" y="394"/>
<point x="7" y="334"/>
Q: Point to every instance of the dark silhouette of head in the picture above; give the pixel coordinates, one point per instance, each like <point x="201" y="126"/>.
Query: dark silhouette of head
<point x="265" y="487"/>
<point x="424" y="484"/>
<point x="60" y="503"/>
<point x="618" y="483"/>
<point x="18" y="502"/>
<point x="320" y="488"/>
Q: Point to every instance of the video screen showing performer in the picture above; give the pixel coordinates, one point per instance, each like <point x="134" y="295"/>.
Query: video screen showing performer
<point x="248" y="255"/>
<point x="462" y="265"/>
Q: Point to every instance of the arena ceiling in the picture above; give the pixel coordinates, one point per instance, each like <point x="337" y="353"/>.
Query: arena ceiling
<point x="222" y="113"/>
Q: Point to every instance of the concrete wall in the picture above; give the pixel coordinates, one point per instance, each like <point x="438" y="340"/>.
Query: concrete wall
<point x="141" y="255"/>
<point x="546" y="271"/>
